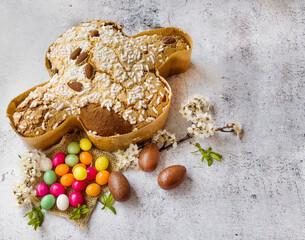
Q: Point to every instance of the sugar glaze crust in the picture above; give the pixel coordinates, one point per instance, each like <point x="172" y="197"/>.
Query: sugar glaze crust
<point x="121" y="78"/>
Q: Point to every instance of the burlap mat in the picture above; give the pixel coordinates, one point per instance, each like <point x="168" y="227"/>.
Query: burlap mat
<point x="89" y="201"/>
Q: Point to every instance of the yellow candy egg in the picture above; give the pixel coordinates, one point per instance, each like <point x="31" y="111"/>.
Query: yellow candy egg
<point x="101" y="163"/>
<point x="85" y="144"/>
<point x="80" y="173"/>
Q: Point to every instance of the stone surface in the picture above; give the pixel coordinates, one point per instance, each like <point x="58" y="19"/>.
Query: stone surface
<point x="248" y="59"/>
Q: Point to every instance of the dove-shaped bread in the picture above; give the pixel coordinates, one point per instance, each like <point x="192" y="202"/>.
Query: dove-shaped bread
<point x="109" y="81"/>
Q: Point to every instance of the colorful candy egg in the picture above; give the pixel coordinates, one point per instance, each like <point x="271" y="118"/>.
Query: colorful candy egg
<point x="71" y="160"/>
<point x="78" y="165"/>
<point x="59" y="158"/>
<point x="85" y="144"/>
<point x="49" y="177"/>
<point x="47" y="202"/>
<point x="91" y="173"/>
<point x="102" y="177"/>
<point x="73" y="148"/>
<point x="101" y="163"/>
<point x="62" y="169"/>
<point x="86" y="158"/>
<point x="76" y="198"/>
<point x="79" y="185"/>
<point x="67" y="179"/>
<point x="42" y="189"/>
<point x="80" y="173"/>
<point x="57" y="189"/>
<point x="93" y="190"/>
<point x="62" y="202"/>
<point x="46" y="164"/>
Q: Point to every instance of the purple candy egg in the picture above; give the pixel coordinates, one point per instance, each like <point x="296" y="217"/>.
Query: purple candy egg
<point x="59" y="158"/>
<point x="76" y="198"/>
<point x="42" y="189"/>
<point x="57" y="189"/>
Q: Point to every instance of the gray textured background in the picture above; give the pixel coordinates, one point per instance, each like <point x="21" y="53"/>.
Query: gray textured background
<point x="248" y="59"/>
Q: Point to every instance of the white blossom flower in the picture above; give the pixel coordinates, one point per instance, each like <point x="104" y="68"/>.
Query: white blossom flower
<point x="30" y="165"/>
<point x="24" y="193"/>
<point x="163" y="137"/>
<point x="30" y="171"/>
<point x="237" y="129"/>
<point x="195" y="110"/>
<point x="129" y="157"/>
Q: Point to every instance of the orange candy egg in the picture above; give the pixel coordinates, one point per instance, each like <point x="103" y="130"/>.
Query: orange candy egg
<point x="93" y="190"/>
<point x="78" y="165"/>
<point x="62" y="169"/>
<point x="67" y="179"/>
<point x="86" y="158"/>
<point x="102" y="177"/>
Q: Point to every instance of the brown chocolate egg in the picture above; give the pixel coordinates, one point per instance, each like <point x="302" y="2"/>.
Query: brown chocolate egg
<point x="149" y="157"/>
<point x="171" y="177"/>
<point x="119" y="186"/>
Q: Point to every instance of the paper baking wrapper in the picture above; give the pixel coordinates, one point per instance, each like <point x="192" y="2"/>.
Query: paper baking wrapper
<point x="177" y="63"/>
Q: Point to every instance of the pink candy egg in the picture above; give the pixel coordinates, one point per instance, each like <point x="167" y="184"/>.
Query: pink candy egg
<point x="42" y="189"/>
<point x="76" y="198"/>
<point x="59" y="158"/>
<point x="79" y="185"/>
<point x="57" y="189"/>
<point x="91" y="173"/>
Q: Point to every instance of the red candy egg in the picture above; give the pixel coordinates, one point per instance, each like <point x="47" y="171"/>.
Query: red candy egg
<point x="79" y="185"/>
<point x="58" y="159"/>
<point x="76" y="198"/>
<point x="91" y="173"/>
<point x="57" y="189"/>
<point x="42" y="189"/>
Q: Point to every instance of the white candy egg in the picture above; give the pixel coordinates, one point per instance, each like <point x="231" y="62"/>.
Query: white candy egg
<point x="62" y="202"/>
<point x="46" y="164"/>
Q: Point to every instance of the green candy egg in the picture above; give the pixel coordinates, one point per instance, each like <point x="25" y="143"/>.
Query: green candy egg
<point x="71" y="160"/>
<point x="73" y="148"/>
<point x="49" y="177"/>
<point x="47" y="202"/>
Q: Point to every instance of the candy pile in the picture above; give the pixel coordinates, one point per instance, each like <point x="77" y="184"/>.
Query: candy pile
<point x="74" y="170"/>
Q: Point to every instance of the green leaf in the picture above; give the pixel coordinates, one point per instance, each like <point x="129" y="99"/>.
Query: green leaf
<point x="36" y="217"/>
<point x="83" y="211"/>
<point x="110" y="199"/>
<point x="112" y="209"/>
<point x="208" y="154"/>
<point x="107" y="202"/>
<point x="104" y="199"/>
<point x="31" y="222"/>
<point x="79" y="211"/>
<point x="215" y="157"/>
<point x="217" y="154"/>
